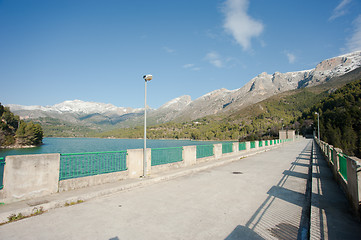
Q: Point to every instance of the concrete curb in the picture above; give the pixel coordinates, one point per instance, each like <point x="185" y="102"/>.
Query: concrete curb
<point x="60" y="200"/>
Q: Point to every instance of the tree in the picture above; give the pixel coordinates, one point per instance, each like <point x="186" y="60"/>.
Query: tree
<point x="12" y="130"/>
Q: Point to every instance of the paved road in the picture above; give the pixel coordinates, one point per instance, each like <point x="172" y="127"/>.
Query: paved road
<point x="262" y="196"/>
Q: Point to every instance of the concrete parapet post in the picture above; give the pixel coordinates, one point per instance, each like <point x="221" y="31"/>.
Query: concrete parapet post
<point x="329" y="152"/>
<point x="217" y="150"/>
<point x="282" y="134"/>
<point x="189" y="155"/>
<point x="135" y="162"/>
<point x="256" y="143"/>
<point x="235" y="147"/>
<point x="30" y="176"/>
<point x="248" y="146"/>
<point x="353" y="187"/>
<point x="335" y="163"/>
<point x="359" y="186"/>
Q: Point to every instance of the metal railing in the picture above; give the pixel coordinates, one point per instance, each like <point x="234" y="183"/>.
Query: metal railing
<point x="2" y="167"/>
<point x="242" y="146"/>
<point x="253" y="144"/>
<point x="204" y="151"/>
<point x="166" y="155"/>
<point x="332" y="155"/>
<point x="227" y="147"/>
<point x="75" y="165"/>
<point x="342" y="165"/>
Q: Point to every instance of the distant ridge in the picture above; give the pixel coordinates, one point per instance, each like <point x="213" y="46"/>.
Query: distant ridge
<point x="220" y="101"/>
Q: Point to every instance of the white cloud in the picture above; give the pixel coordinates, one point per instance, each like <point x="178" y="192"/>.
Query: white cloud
<point x="239" y="24"/>
<point x="191" y="66"/>
<point x="340" y="10"/>
<point x="214" y="59"/>
<point x="168" y="50"/>
<point x="291" y="57"/>
<point x="354" y="43"/>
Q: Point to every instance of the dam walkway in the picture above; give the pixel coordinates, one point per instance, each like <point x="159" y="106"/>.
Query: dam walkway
<point x="285" y="193"/>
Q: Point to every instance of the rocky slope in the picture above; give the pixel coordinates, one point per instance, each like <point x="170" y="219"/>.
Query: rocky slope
<point x="266" y="85"/>
<point x="183" y="108"/>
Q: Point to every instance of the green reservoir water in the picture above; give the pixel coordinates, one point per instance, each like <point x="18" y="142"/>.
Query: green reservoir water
<point x="78" y="145"/>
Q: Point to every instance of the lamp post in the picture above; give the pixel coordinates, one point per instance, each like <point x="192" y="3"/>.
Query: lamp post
<point x="146" y="79"/>
<point x="318" y="125"/>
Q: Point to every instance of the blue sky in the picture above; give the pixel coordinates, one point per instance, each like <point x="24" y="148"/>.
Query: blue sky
<point x="52" y="51"/>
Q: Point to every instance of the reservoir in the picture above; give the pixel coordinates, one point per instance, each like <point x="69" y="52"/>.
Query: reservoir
<point x="80" y="145"/>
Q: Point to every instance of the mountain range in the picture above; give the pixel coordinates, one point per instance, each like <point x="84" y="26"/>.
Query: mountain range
<point x="220" y="101"/>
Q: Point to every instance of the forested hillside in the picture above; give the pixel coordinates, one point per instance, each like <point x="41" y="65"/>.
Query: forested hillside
<point x="17" y="133"/>
<point x="262" y="120"/>
<point x="340" y="118"/>
<point x="259" y="121"/>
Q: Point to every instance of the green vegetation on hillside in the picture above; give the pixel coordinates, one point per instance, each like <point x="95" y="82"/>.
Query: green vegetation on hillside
<point x="262" y="120"/>
<point x="57" y="128"/>
<point x="259" y="121"/>
<point x="340" y="118"/>
<point x="14" y="131"/>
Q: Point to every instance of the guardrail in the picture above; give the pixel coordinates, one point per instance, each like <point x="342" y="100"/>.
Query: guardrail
<point x="166" y="155"/>
<point x="227" y="147"/>
<point x="2" y="165"/>
<point x="342" y="158"/>
<point x="50" y="173"/>
<point x="242" y="146"/>
<point x="347" y="172"/>
<point x="75" y="165"/>
<point x="203" y="151"/>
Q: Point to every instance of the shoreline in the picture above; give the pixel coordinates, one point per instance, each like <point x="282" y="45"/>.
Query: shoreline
<point x="17" y="146"/>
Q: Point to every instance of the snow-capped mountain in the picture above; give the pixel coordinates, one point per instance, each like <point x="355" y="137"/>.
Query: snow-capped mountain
<point x="75" y="111"/>
<point x="266" y="85"/>
<point x="76" y="106"/>
<point x="257" y="89"/>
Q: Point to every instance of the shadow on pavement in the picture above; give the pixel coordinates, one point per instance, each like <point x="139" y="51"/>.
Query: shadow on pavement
<point x="276" y="225"/>
<point x="241" y="232"/>
<point x="335" y="220"/>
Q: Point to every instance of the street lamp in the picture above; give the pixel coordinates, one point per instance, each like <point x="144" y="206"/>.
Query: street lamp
<point x="318" y="125"/>
<point x="146" y="78"/>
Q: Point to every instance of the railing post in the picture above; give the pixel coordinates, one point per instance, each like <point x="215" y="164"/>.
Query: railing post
<point x="248" y="146"/>
<point x="217" y="150"/>
<point x="189" y="155"/>
<point x="30" y="176"/>
<point x="335" y="162"/>
<point x="235" y="147"/>
<point x="256" y="145"/>
<point x="352" y="183"/>
<point x="135" y="163"/>
<point x="329" y="153"/>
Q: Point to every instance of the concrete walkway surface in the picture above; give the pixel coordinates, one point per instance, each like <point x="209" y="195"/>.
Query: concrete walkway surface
<point x="263" y="196"/>
<point x="62" y="199"/>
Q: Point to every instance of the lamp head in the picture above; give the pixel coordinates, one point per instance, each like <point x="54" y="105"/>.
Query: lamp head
<point x="147" y="77"/>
